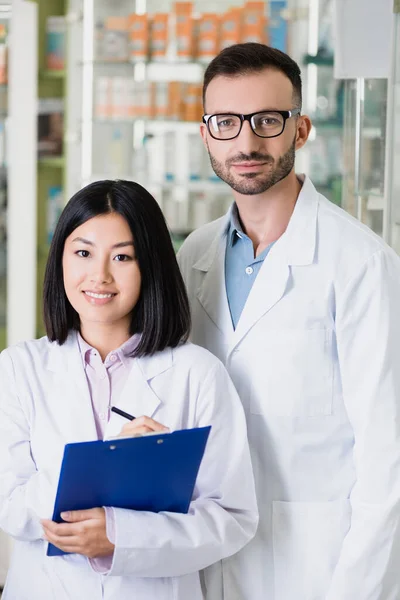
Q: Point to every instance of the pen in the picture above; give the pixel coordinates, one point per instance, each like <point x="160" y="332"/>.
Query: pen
<point x="122" y="413"/>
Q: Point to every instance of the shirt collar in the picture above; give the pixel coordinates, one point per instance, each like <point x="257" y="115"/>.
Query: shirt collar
<point x="235" y="230"/>
<point x="123" y="352"/>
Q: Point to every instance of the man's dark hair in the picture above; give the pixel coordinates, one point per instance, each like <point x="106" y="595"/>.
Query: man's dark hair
<point x="251" y="57"/>
<point x="162" y="312"/>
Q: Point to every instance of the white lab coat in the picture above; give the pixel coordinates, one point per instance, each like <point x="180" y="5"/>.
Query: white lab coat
<point x="316" y="361"/>
<point x="45" y="403"/>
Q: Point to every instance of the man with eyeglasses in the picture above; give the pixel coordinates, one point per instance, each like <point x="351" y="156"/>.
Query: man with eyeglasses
<point x="301" y="302"/>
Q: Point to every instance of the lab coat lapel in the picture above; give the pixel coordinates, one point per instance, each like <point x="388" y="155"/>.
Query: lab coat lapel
<point x="66" y="361"/>
<point x="296" y="247"/>
<point x="212" y="291"/>
<point x="137" y="397"/>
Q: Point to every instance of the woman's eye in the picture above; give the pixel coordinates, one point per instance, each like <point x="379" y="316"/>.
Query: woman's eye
<point x="122" y="258"/>
<point x="83" y="253"/>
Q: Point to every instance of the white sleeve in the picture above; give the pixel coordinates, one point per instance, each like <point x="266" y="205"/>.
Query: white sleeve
<point x="26" y="495"/>
<point x="368" y="341"/>
<point x="222" y="516"/>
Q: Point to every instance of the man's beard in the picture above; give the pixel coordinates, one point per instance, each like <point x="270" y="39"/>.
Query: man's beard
<point x="250" y="184"/>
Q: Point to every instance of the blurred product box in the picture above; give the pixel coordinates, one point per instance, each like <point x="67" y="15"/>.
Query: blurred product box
<point x="278" y="28"/>
<point x="143" y="98"/>
<point x="139" y="37"/>
<point x="159" y="36"/>
<point x="50" y="127"/>
<point x="119" y="104"/>
<point x="231" y="27"/>
<point x="175" y="101"/>
<point x="193" y="108"/>
<point x="55" y="43"/>
<point x="102" y="97"/>
<point x="254" y="22"/>
<point x="55" y="205"/>
<point x="160" y="95"/>
<point x="3" y="55"/>
<point x="184" y="31"/>
<point x="208" y="36"/>
<point x="112" y="40"/>
<point x="130" y="91"/>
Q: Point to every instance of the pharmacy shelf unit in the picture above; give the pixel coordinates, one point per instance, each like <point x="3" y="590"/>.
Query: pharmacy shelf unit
<point x="166" y="155"/>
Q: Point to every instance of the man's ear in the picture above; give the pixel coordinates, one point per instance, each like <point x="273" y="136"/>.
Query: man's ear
<point x="303" y="130"/>
<point x="203" y="133"/>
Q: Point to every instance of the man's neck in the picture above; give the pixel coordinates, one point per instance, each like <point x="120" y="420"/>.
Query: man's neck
<point x="265" y="217"/>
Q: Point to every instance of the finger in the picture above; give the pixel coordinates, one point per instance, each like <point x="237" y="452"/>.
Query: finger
<point x="153" y="425"/>
<point x="129" y="430"/>
<point x="75" y="516"/>
<point x="71" y="544"/>
<point x="52" y="526"/>
<point x="148" y="422"/>
<point x="65" y="529"/>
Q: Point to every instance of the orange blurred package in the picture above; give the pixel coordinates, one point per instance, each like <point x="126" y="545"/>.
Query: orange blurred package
<point x="159" y="36"/>
<point x="231" y="27"/>
<point x="254" y="22"/>
<point x="184" y="30"/>
<point x="208" y="36"/>
<point x="139" y="37"/>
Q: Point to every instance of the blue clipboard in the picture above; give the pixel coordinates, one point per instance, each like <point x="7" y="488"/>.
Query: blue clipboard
<point x="153" y="473"/>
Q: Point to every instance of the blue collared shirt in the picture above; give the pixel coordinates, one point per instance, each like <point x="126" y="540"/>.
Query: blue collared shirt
<point x="241" y="268"/>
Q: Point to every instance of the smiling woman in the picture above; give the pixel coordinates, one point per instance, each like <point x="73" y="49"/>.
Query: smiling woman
<point x="117" y="319"/>
<point x="104" y="267"/>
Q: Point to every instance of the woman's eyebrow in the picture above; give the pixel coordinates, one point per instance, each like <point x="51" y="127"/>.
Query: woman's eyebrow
<point x="122" y="244"/>
<point x="82" y="240"/>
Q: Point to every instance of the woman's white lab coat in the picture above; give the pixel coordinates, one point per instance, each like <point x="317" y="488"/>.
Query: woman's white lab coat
<point x="45" y="403"/>
<point x="316" y="361"/>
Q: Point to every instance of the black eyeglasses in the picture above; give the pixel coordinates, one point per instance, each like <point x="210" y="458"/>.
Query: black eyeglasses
<point x="265" y="124"/>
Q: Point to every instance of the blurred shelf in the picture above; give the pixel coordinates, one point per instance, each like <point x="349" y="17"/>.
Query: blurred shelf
<point x="180" y="233"/>
<point x="372" y="133"/>
<point x="320" y="60"/>
<point x="161" y="126"/>
<point x="152" y="125"/>
<point x="52" y="161"/>
<point x="327" y="123"/>
<point x="199" y="185"/>
<point x="52" y="74"/>
<point x="191" y="71"/>
<point x="3" y="344"/>
<point x="375" y="202"/>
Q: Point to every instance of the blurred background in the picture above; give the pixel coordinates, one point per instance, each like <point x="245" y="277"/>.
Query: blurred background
<point x="94" y="89"/>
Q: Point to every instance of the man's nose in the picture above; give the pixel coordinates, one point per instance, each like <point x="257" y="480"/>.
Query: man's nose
<point x="247" y="140"/>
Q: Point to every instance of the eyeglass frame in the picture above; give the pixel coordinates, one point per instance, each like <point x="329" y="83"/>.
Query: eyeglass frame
<point x="286" y="114"/>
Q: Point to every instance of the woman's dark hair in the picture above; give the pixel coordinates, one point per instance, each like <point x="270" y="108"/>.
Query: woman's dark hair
<point x="162" y="312"/>
<point x="251" y="57"/>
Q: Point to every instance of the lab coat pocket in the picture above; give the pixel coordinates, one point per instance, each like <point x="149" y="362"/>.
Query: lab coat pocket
<point x="292" y="373"/>
<point x="307" y="540"/>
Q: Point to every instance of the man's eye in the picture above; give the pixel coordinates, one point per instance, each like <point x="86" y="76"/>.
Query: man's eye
<point x="269" y="121"/>
<point x="225" y="123"/>
<point x="83" y="253"/>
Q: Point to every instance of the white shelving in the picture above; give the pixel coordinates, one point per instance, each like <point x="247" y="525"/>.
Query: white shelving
<point x="166" y="156"/>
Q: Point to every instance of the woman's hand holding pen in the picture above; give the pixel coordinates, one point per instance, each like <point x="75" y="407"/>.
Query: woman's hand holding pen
<point x="84" y="533"/>
<point x="142" y="425"/>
